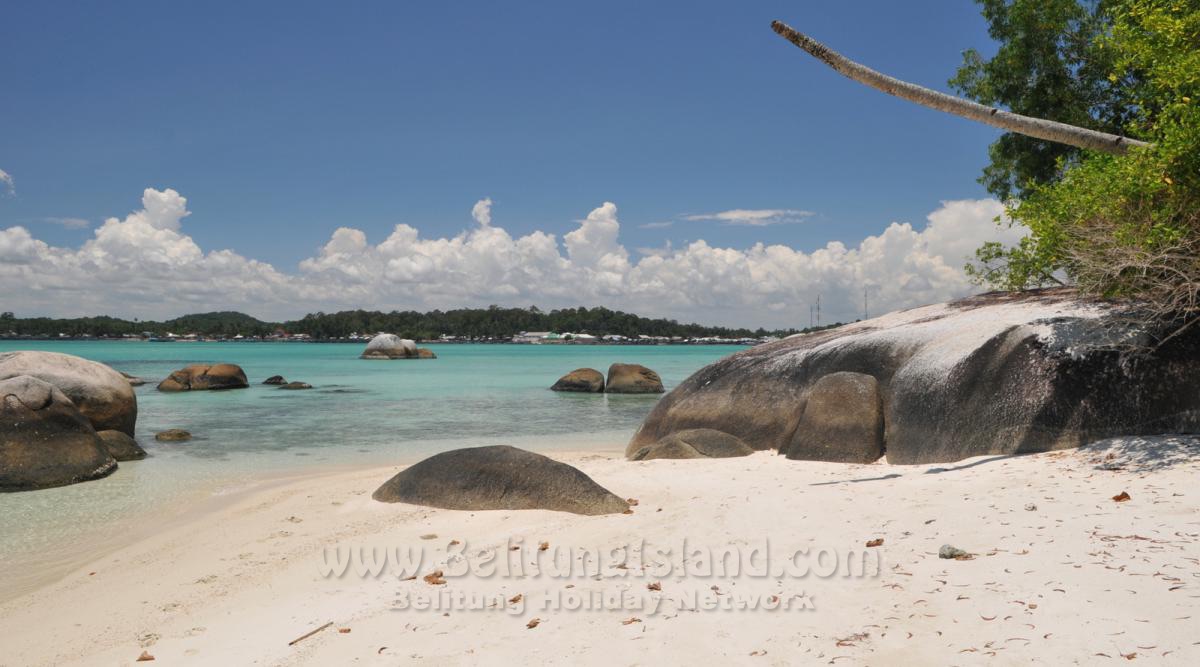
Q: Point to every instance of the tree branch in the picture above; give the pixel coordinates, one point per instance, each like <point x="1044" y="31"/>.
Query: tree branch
<point x="1039" y="128"/>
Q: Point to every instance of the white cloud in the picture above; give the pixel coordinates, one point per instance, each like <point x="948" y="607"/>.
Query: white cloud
<point x="69" y="223"/>
<point x="754" y="217"/>
<point x="6" y="180"/>
<point x="144" y="265"/>
<point x="482" y="211"/>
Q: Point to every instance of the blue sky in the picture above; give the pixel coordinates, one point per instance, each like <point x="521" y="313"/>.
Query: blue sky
<point x="280" y="122"/>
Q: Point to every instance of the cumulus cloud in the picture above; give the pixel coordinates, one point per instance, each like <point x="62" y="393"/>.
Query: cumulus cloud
<point x="482" y="211"/>
<point x="6" y="184"/>
<point x="145" y="265"/>
<point x="754" y="217"/>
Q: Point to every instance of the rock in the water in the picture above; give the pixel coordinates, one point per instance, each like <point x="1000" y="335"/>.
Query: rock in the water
<point x="1000" y="373"/>
<point x="842" y="421"/>
<point x="587" y="380"/>
<point x="199" y="377"/>
<point x="173" y="435"/>
<point x="275" y="379"/>
<point x="498" y="478"/>
<point x="45" y="440"/>
<point x="121" y="447"/>
<point x="133" y="380"/>
<point x="695" y="443"/>
<point x="390" y="346"/>
<point x="632" y="379"/>
<point x="425" y="353"/>
<point x="102" y="394"/>
<point x="297" y="385"/>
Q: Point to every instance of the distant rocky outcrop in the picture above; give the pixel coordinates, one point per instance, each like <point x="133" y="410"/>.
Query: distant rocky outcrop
<point x="498" y="478"/>
<point x="1000" y="373"/>
<point x="390" y="346"/>
<point x="275" y="379"/>
<point x="632" y="379"/>
<point x="696" y="443"/>
<point x="45" y="441"/>
<point x="211" y="377"/>
<point x="121" y="446"/>
<point x="102" y="394"/>
<point x="587" y="380"/>
<point x="296" y="385"/>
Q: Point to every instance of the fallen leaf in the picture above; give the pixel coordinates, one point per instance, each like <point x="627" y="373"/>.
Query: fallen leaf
<point x="758" y="652"/>
<point x="533" y="623"/>
<point x="632" y="501"/>
<point x="344" y="631"/>
<point x="878" y="541"/>
<point x="629" y="511"/>
<point x="631" y="620"/>
<point x="1121" y="497"/>
<point x="429" y="536"/>
<point x="655" y="586"/>
<point x="454" y="543"/>
<point x="515" y="599"/>
<point x="144" y="657"/>
<point x="435" y="578"/>
<point x="543" y="546"/>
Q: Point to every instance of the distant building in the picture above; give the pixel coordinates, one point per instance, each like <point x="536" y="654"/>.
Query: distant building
<point x="530" y="336"/>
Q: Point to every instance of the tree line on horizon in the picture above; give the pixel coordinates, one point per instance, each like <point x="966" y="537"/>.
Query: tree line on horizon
<point x="490" y="322"/>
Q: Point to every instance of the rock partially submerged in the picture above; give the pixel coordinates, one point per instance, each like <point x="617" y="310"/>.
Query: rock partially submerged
<point x="632" y="379"/>
<point x="390" y="346"/>
<point x="121" y="446"/>
<point x="102" y="394"/>
<point x="275" y="379"/>
<point x="585" y="380"/>
<point x="173" y="435"/>
<point x="45" y="441"/>
<point x="296" y="385"/>
<point x="999" y="373"/>
<point x="210" y="377"/>
<point x="696" y="443"/>
<point x="498" y="478"/>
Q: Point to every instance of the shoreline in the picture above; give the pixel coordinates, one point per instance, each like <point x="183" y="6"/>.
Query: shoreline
<point x="1076" y="576"/>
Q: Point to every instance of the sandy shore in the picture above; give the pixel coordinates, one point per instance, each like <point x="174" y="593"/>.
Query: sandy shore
<point x="1061" y="572"/>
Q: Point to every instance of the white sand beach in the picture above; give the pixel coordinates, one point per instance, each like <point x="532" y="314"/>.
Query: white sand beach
<point x="1061" y="573"/>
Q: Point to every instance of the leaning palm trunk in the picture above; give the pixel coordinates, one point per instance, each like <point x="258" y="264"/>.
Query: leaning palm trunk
<point x="1039" y="128"/>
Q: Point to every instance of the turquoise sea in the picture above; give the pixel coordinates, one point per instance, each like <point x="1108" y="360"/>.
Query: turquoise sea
<point x="359" y="413"/>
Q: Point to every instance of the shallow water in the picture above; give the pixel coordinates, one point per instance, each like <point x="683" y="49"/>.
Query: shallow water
<point x="358" y="413"/>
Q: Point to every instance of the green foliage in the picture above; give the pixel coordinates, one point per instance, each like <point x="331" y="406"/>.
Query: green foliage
<point x="477" y="323"/>
<point x="1049" y="65"/>
<point x="1126" y="226"/>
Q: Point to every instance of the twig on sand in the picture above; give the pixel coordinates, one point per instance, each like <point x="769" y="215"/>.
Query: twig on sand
<point x="306" y="635"/>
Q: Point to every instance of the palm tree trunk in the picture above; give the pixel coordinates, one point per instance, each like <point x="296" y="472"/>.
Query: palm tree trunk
<point x="1039" y="128"/>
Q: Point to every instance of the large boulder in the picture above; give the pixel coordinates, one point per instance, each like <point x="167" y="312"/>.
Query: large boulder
<point x="121" y="446"/>
<point x="211" y="377"/>
<point x="695" y="443"/>
<point x="498" y="478"/>
<point x="842" y="421"/>
<point x="999" y="373"/>
<point x="587" y="380"/>
<point x="45" y="440"/>
<point x="390" y="346"/>
<point x="632" y="379"/>
<point x="102" y="394"/>
<point x="425" y="353"/>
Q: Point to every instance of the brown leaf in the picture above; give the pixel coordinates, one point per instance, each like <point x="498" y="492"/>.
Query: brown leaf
<point x="144" y="657"/>
<point x="632" y="501"/>
<point x="344" y="631"/>
<point x="655" y="586"/>
<point x="454" y="543"/>
<point x="429" y="536"/>
<point x="435" y="578"/>
<point x="1121" y="497"/>
<point x="1129" y="656"/>
<point x="629" y="511"/>
<point x="878" y="541"/>
<point x="533" y="623"/>
<point x="631" y="620"/>
<point x="515" y="599"/>
<point x="543" y="546"/>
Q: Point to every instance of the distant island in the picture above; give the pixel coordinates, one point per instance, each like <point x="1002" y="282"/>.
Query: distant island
<point x="493" y="324"/>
